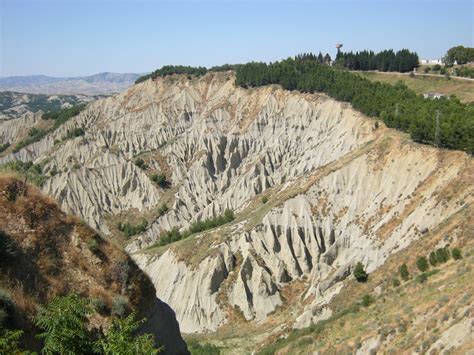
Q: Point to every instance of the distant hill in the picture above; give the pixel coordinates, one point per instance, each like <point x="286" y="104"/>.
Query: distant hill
<point x="98" y="84"/>
<point x="15" y="104"/>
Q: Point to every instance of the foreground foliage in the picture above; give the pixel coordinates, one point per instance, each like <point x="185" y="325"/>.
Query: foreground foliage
<point x="121" y="339"/>
<point x="64" y="322"/>
<point x="66" y="330"/>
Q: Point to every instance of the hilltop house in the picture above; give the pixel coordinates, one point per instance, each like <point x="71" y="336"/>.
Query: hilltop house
<point x="433" y="95"/>
<point x="431" y="61"/>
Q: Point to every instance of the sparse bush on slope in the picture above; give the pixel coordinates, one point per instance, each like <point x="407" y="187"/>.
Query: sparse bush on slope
<point x="422" y="264"/>
<point x="196" y="227"/>
<point x="404" y="274"/>
<point x="359" y="272"/>
<point x="130" y="230"/>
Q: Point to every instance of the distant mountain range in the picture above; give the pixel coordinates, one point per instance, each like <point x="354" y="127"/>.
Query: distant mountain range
<point x="98" y="84"/>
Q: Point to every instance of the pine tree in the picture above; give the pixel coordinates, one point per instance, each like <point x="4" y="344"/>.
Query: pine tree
<point x="422" y="264"/>
<point x="404" y="274"/>
<point x="359" y="273"/>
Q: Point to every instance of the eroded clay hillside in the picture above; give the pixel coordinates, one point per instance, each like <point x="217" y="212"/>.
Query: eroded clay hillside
<point x="315" y="188"/>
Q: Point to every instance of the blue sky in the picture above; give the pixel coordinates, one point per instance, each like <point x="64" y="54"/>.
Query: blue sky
<point x="71" y="37"/>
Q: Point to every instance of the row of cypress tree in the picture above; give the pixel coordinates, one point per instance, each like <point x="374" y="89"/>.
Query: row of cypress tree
<point x="387" y="60"/>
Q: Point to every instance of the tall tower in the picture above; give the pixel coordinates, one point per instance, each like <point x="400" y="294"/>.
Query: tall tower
<point x="338" y="46"/>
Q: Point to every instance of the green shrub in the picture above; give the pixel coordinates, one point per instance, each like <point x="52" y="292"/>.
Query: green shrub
<point x="122" y="339"/>
<point x="196" y="227"/>
<point x="130" y="230"/>
<point x="442" y="255"/>
<point x="9" y="341"/>
<point x="465" y="72"/>
<point x="264" y="199"/>
<point x="32" y="171"/>
<point x="75" y="132"/>
<point x="422" y="264"/>
<point x="196" y="348"/>
<point x="367" y="300"/>
<point x="63" y="322"/>
<point x="436" y="67"/>
<point x="427" y="69"/>
<point x="141" y="163"/>
<point x="456" y="253"/>
<point x="433" y="258"/>
<point x="53" y="171"/>
<point x="404" y="274"/>
<point x="170" y="236"/>
<point x="395" y="282"/>
<point x="4" y="147"/>
<point x="359" y="273"/>
<point x="162" y="210"/>
<point x="228" y="215"/>
<point x="160" y="180"/>
<point x="93" y="245"/>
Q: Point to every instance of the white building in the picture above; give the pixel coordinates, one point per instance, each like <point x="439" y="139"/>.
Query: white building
<point x="433" y="95"/>
<point x="431" y="61"/>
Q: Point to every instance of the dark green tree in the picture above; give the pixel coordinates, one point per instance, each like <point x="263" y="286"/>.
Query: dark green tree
<point x="456" y="253"/>
<point x="433" y="259"/>
<point x="442" y="255"/>
<point x="460" y="55"/>
<point x="359" y="273"/>
<point x="422" y="264"/>
<point x="404" y="274"/>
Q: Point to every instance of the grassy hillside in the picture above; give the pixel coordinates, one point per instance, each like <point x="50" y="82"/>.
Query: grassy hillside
<point x="45" y="253"/>
<point x="463" y="89"/>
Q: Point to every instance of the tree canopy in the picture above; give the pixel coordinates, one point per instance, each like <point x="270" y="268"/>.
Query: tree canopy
<point x="460" y="55"/>
<point x="387" y="60"/>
